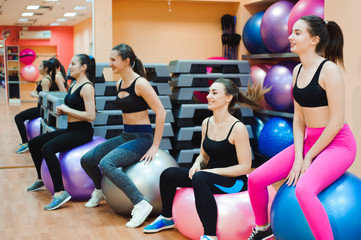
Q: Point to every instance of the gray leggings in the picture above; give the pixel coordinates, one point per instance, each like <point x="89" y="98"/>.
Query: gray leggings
<point x="112" y="156"/>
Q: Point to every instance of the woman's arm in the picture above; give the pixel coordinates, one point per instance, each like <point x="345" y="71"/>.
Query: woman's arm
<point x="87" y="93"/>
<point x="335" y="90"/>
<point x="146" y="91"/>
<point x="60" y="82"/>
<point x="239" y="137"/>
<point x="203" y="158"/>
<point x="45" y="84"/>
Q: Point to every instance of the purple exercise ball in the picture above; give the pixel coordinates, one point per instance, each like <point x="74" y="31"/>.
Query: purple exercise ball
<point x="274" y="26"/>
<point x="76" y="182"/>
<point x="279" y="77"/>
<point x="33" y="127"/>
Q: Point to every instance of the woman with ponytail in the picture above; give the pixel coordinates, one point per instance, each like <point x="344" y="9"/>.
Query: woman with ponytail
<point x="58" y="74"/>
<point x="80" y="108"/>
<point x="324" y="146"/>
<point x="136" y="143"/>
<point x="225" y="158"/>
<point x="46" y="84"/>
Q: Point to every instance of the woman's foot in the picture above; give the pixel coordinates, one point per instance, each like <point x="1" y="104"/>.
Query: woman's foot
<point x="36" y="186"/>
<point x="139" y="213"/>
<point x="57" y="201"/>
<point x="23" y="148"/>
<point x="159" y="224"/>
<point x="96" y="197"/>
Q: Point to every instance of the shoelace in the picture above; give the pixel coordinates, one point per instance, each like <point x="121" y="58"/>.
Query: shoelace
<point x="254" y="232"/>
<point x="157" y="221"/>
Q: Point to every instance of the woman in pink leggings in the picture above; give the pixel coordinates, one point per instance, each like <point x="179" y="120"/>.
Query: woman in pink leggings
<point x="324" y="147"/>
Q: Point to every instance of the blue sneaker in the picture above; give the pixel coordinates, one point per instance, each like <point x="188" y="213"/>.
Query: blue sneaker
<point x="23" y="148"/>
<point x="36" y="186"/>
<point x="57" y="201"/>
<point x="159" y="224"/>
<point x="205" y="237"/>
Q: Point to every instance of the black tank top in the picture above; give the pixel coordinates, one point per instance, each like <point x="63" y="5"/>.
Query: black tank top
<point x="313" y="95"/>
<point x="221" y="153"/>
<point x="74" y="100"/>
<point x="53" y="87"/>
<point x="131" y="103"/>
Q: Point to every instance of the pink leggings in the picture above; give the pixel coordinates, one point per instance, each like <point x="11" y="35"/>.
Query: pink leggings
<point x="328" y="166"/>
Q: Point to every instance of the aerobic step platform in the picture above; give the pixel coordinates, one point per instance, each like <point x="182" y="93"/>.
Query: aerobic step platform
<point x="205" y="80"/>
<point x="200" y="66"/>
<point x="54" y="99"/>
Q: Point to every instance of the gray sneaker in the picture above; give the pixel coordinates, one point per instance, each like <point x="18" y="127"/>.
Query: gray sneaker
<point x="36" y="186"/>
<point x="57" y="201"/>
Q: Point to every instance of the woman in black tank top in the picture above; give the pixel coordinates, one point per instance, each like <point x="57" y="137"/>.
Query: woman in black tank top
<point x="46" y="84"/>
<point x="80" y="111"/>
<point x="225" y="158"/>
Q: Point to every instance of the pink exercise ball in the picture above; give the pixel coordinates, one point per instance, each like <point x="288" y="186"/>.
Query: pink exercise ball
<point x="235" y="214"/>
<point x="258" y="74"/>
<point x="29" y="73"/>
<point x="33" y="127"/>
<point x="27" y="56"/>
<point x="274" y="26"/>
<point x="304" y="8"/>
<point x="76" y="182"/>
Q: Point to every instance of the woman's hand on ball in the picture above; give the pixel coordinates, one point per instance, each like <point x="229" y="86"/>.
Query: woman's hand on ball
<point x="149" y="155"/>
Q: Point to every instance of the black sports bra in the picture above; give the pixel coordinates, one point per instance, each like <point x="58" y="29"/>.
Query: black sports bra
<point x="74" y="100"/>
<point x="313" y="95"/>
<point x="131" y="103"/>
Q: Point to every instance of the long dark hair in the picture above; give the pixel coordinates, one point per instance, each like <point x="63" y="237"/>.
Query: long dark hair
<point x="125" y="51"/>
<point x="252" y="98"/>
<point x="49" y="67"/>
<point x="57" y="65"/>
<point x="89" y="61"/>
<point x="331" y="38"/>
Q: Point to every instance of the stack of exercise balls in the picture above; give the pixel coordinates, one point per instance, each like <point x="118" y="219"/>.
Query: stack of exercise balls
<point x="29" y="72"/>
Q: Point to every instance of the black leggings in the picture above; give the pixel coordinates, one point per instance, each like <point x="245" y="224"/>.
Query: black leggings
<point x="204" y="185"/>
<point x="48" y="144"/>
<point x="28" y="114"/>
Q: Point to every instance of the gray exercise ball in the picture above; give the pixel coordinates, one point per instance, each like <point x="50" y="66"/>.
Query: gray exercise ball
<point x="145" y="178"/>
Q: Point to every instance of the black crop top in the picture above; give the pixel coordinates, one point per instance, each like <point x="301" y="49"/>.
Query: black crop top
<point x="74" y="100"/>
<point x="131" y="103"/>
<point x="313" y="95"/>
<point x="221" y="153"/>
<point x="52" y="88"/>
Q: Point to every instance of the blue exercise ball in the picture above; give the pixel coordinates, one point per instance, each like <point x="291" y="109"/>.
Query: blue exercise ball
<point x="275" y="136"/>
<point x="341" y="200"/>
<point x="252" y="38"/>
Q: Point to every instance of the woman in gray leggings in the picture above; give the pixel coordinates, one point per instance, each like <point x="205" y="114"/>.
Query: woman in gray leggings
<point x="136" y="143"/>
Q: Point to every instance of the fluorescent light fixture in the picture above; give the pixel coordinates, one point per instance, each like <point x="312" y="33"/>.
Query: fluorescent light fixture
<point x="54" y="24"/>
<point x="61" y="20"/>
<point x="80" y="8"/>
<point x="27" y="14"/>
<point x="69" y="14"/>
<point x="32" y="7"/>
<point x="23" y="20"/>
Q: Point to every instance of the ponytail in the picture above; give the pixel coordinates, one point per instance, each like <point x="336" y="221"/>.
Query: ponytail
<point x="334" y="47"/>
<point x="251" y="99"/>
<point x="138" y="67"/>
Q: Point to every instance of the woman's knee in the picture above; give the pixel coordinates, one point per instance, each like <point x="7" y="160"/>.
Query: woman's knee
<point x="256" y="179"/>
<point x="303" y="191"/>
<point x="87" y="159"/>
<point x="199" y="178"/>
<point x="168" y="174"/>
<point x="106" y="165"/>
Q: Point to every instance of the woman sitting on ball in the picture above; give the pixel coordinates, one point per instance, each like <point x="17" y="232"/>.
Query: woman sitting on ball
<point x="223" y="163"/>
<point x="80" y="108"/>
<point x="324" y="147"/>
<point x="136" y="143"/>
<point x="48" y="83"/>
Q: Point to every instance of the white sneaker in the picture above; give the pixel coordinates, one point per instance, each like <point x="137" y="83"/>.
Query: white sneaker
<point x="139" y="213"/>
<point x="96" y="197"/>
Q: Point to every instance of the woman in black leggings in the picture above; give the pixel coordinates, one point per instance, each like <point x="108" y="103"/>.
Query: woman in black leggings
<point x="223" y="163"/>
<point x="48" y="83"/>
<point x="80" y="108"/>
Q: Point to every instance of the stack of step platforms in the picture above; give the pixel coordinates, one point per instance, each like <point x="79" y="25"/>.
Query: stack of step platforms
<point x="50" y="118"/>
<point x="190" y="77"/>
<point x="109" y="120"/>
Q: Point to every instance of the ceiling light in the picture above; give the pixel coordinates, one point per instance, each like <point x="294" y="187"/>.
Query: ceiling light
<point x="32" y="7"/>
<point x="27" y="14"/>
<point x="61" y="20"/>
<point x="54" y="24"/>
<point x="69" y="14"/>
<point x="80" y="8"/>
<point x="23" y="20"/>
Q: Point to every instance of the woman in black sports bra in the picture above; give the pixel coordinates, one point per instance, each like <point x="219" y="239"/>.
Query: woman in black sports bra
<point x="80" y="108"/>
<point x="324" y="146"/>
<point x="136" y="143"/>
<point x="46" y="84"/>
<point x="225" y="158"/>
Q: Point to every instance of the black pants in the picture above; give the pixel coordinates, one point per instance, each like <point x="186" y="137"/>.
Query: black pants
<point x="204" y="185"/>
<point x="48" y="144"/>
<point x="28" y="114"/>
